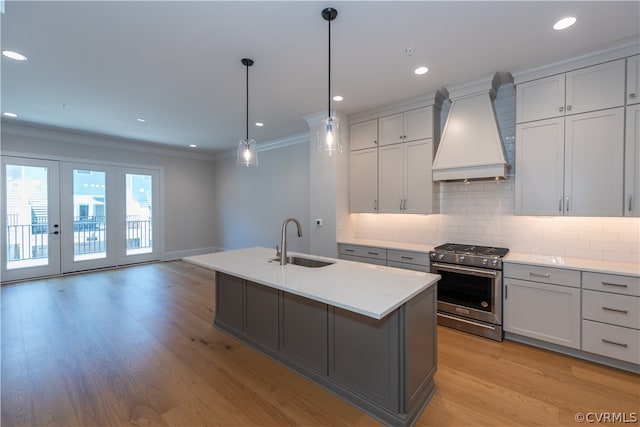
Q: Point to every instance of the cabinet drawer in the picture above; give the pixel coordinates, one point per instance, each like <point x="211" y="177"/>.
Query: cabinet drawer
<point x="408" y="257"/>
<point x="557" y="276"/>
<point x="406" y="266"/>
<point x="620" y="310"/>
<point x="363" y="259"/>
<point x="611" y="341"/>
<point x="363" y="251"/>
<point x="626" y="285"/>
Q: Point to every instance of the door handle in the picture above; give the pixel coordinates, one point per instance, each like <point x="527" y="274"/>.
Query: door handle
<point x="55" y="232"/>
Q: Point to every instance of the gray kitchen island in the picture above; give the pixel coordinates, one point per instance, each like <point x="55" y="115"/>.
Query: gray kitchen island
<point x="363" y="332"/>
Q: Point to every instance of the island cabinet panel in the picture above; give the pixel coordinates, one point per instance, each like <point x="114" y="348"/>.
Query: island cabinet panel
<point x="420" y="343"/>
<point x="229" y="301"/>
<point x="364" y="355"/>
<point x="261" y="314"/>
<point x="303" y="331"/>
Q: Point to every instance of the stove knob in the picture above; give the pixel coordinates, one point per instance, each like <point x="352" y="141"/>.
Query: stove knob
<point x="441" y="257"/>
<point x="485" y="261"/>
<point x="433" y="255"/>
<point x="494" y="262"/>
<point x="461" y="259"/>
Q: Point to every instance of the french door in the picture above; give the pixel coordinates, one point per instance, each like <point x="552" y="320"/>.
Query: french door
<point x="30" y="218"/>
<point x="62" y="217"/>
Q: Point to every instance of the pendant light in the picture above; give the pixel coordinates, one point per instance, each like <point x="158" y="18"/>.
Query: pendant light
<point x="247" y="154"/>
<point x="328" y="133"/>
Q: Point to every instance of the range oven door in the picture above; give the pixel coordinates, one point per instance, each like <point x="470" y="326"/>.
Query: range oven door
<point x="473" y="293"/>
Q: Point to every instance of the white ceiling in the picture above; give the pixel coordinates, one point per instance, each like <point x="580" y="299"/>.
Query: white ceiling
<point x="98" y="66"/>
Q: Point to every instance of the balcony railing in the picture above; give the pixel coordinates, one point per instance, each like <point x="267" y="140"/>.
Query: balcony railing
<point x="26" y="242"/>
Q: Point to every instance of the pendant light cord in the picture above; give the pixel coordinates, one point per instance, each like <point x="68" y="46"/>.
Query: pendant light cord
<point x="329" y="72"/>
<point x="247" y="117"/>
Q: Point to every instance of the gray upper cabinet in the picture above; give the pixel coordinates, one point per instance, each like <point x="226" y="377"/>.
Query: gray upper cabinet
<point x="592" y="88"/>
<point x="633" y="80"/>
<point x="364" y="135"/>
<point x="364" y="181"/>
<point x="407" y="126"/>
<point x="632" y="162"/>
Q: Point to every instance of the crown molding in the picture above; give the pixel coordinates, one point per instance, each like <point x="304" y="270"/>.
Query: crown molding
<point x="433" y="98"/>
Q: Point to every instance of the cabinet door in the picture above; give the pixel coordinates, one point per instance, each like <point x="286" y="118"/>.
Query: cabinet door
<point x="633" y="80"/>
<point x="540" y="99"/>
<point x="593" y="183"/>
<point x="418" y="186"/>
<point x="364" y="181"/>
<point x="229" y="301"/>
<point x="595" y="88"/>
<point x="540" y="167"/>
<point x="549" y="313"/>
<point x="418" y="124"/>
<point x="364" y="135"/>
<point x="391" y="129"/>
<point x="303" y="331"/>
<point x="261" y="314"/>
<point x="390" y="178"/>
<point x="632" y="162"/>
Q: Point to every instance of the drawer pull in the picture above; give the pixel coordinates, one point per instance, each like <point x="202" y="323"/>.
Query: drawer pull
<point x="349" y="250"/>
<point x="617" y="285"/>
<point x="614" y="343"/>
<point x="617" y="310"/>
<point x="373" y="253"/>
<point x="406" y="257"/>
<point x="546" y="275"/>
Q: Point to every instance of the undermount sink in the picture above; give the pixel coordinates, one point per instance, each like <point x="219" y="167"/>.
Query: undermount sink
<point x="304" y="262"/>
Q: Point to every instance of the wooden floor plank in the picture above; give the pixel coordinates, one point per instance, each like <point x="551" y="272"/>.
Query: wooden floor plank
<point x="136" y="346"/>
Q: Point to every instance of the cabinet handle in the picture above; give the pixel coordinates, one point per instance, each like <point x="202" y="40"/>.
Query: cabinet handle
<point x="506" y="291"/>
<point x="614" y="343"/>
<point x="375" y="142"/>
<point x="406" y="257"/>
<point x="349" y="250"/>
<point x="373" y="253"/>
<point x="617" y="310"/>
<point x="404" y="204"/>
<point x="559" y="203"/>
<point x="617" y="285"/>
<point x="561" y="109"/>
<point x="632" y="95"/>
<point x="375" y="204"/>
<point x="401" y="204"/>
<point x="568" y="107"/>
<point x="566" y="203"/>
<point x="629" y="202"/>
<point x="545" y="275"/>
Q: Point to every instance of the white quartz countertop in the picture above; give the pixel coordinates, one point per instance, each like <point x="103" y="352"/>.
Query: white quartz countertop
<point x="370" y="290"/>
<point x="597" y="266"/>
<point x="416" y="247"/>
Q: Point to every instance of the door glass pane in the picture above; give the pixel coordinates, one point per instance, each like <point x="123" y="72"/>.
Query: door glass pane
<point x="89" y="215"/>
<point x="139" y="214"/>
<point x="27" y="216"/>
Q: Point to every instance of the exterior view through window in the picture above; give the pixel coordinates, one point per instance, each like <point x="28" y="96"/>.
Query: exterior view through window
<point x="89" y="215"/>
<point x="139" y="213"/>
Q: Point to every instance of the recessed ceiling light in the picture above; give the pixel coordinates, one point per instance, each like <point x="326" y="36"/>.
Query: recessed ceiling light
<point x="338" y="98"/>
<point x="8" y="114"/>
<point x="564" y="23"/>
<point x="141" y="120"/>
<point x="193" y="146"/>
<point x="14" y="55"/>
<point x="259" y="124"/>
<point x="421" y="70"/>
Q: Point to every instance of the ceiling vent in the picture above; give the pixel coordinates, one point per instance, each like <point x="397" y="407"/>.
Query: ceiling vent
<point x="471" y="146"/>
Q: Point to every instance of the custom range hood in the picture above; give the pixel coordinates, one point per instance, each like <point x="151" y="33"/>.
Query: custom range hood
<point x="471" y="146"/>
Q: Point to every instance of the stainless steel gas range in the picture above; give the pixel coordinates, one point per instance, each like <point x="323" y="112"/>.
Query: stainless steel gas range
<point x="470" y="290"/>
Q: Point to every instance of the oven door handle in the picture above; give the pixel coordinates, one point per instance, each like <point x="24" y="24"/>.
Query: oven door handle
<point x="475" y="271"/>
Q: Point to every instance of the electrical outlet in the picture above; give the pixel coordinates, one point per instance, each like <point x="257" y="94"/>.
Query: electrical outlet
<point x="319" y="222"/>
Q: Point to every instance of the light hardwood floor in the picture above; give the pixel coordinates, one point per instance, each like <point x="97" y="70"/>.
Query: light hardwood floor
<point x="135" y="346"/>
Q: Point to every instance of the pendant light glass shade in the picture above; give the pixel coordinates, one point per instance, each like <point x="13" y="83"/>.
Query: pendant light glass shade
<point x="247" y="154"/>
<point x="328" y="133"/>
<point x="328" y="136"/>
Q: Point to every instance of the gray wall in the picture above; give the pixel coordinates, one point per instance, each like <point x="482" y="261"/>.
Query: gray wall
<point x="252" y="203"/>
<point x="188" y="205"/>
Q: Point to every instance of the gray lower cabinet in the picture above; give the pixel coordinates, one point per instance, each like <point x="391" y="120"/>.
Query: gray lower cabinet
<point x="303" y="331"/>
<point x="364" y="355"/>
<point x="261" y="314"/>
<point x="384" y="367"/>
<point x="229" y="290"/>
